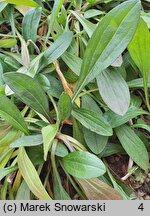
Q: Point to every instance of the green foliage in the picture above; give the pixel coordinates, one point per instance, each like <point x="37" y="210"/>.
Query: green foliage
<point x="74" y="93"/>
<point x="83" y="165"/>
<point x="133" y="146"/>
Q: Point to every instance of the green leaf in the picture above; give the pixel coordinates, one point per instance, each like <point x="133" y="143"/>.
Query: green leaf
<point x="11" y="114"/>
<point x="87" y="25"/>
<point x="29" y="3"/>
<point x="90" y="104"/>
<point x="94" y="141"/>
<point x="146" y="17"/>
<point x="137" y="83"/>
<point x="10" y="137"/>
<point x="83" y="165"/>
<point x="139" y="48"/>
<point x="133" y="145"/>
<point x="2" y="6"/>
<point x="23" y="192"/>
<point x="114" y="91"/>
<point x="6" y="171"/>
<point x="73" y="62"/>
<point x="56" y="49"/>
<point x="92" y="13"/>
<point x="30" y="24"/>
<point x="111" y="149"/>
<point x="59" y="192"/>
<point x="61" y="150"/>
<point x="117" y="120"/>
<point x="109" y="40"/>
<point x="24" y="52"/>
<point x="95" y="189"/>
<point x="30" y="175"/>
<point x="118" y="187"/>
<point x="92" y="121"/>
<point x="56" y="8"/>
<point x="49" y="132"/>
<point x="1" y="75"/>
<point x="64" y="106"/>
<point x="77" y="131"/>
<point x="7" y="43"/>
<point x="143" y="126"/>
<point x="29" y="91"/>
<point x="32" y="140"/>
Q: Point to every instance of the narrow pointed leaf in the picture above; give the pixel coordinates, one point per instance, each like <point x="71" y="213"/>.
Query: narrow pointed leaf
<point x="109" y="40"/>
<point x="94" y="141"/>
<point x="32" y="140"/>
<point x="73" y="62"/>
<point x="49" y="132"/>
<point x="2" y="6"/>
<point x="87" y="25"/>
<point x="139" y="48"/>
<point x="29" y="3"/>
<point x="29" y="91"/>
<point x="8" y="43"/>
<point x="11" y="114"/>
<point x="95" y="189"/>
<point x="133" y="145"/>
<point x="23" y="192"/>
<point x="64" y="106"/>
<point x="30" y="24"/>
<point x="6" y="171"/>
<point x="56" y="8"/>
<point x="56" y="49"/>
<point x="138" y="83"/>
<point x="92" y="121"/>
<point x="116" y="120"/>
<point x="30" y="175"/>
<point x="10" y="137"/>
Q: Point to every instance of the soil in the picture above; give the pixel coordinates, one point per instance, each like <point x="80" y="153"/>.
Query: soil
<point x="138" y="182"/>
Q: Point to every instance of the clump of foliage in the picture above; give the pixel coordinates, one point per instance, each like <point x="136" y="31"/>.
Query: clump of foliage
<point x="74" y="79"/>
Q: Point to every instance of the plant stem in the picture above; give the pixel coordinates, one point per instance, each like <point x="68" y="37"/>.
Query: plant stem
<point x="62" y="78"/>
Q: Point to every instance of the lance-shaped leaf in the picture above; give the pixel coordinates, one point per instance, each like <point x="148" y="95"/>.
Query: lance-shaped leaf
<point x="11" y="114"/>
<point x="2" y="6"/>
<point x="49" y="132"/>
<point x="30" y="24"/>
<point x="30" y="175"/>
<point x="92" y="121"/>
<point x="64" y="106"/>
<point x="29" y="3"/>
<point x="6" y="171"/>
<point x="116" y="120"/>
<point x="94" y="141"/>
<point x="87" y="25"/>
<point x="114" y="91"/>
<point x="83" y="165"/>
<point x="109" y="40"/>
<point x="55" y="11"/>
<point x="139" y="49"/>
<point x="95" y="189"/>
<point x="137" y="83"/>
<point x="8" y="43"/>
<point x="133" y="145"/>
<point x="29" y="91"/>
<point x="32" y="140"/>
<point x="56" y="49"/>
